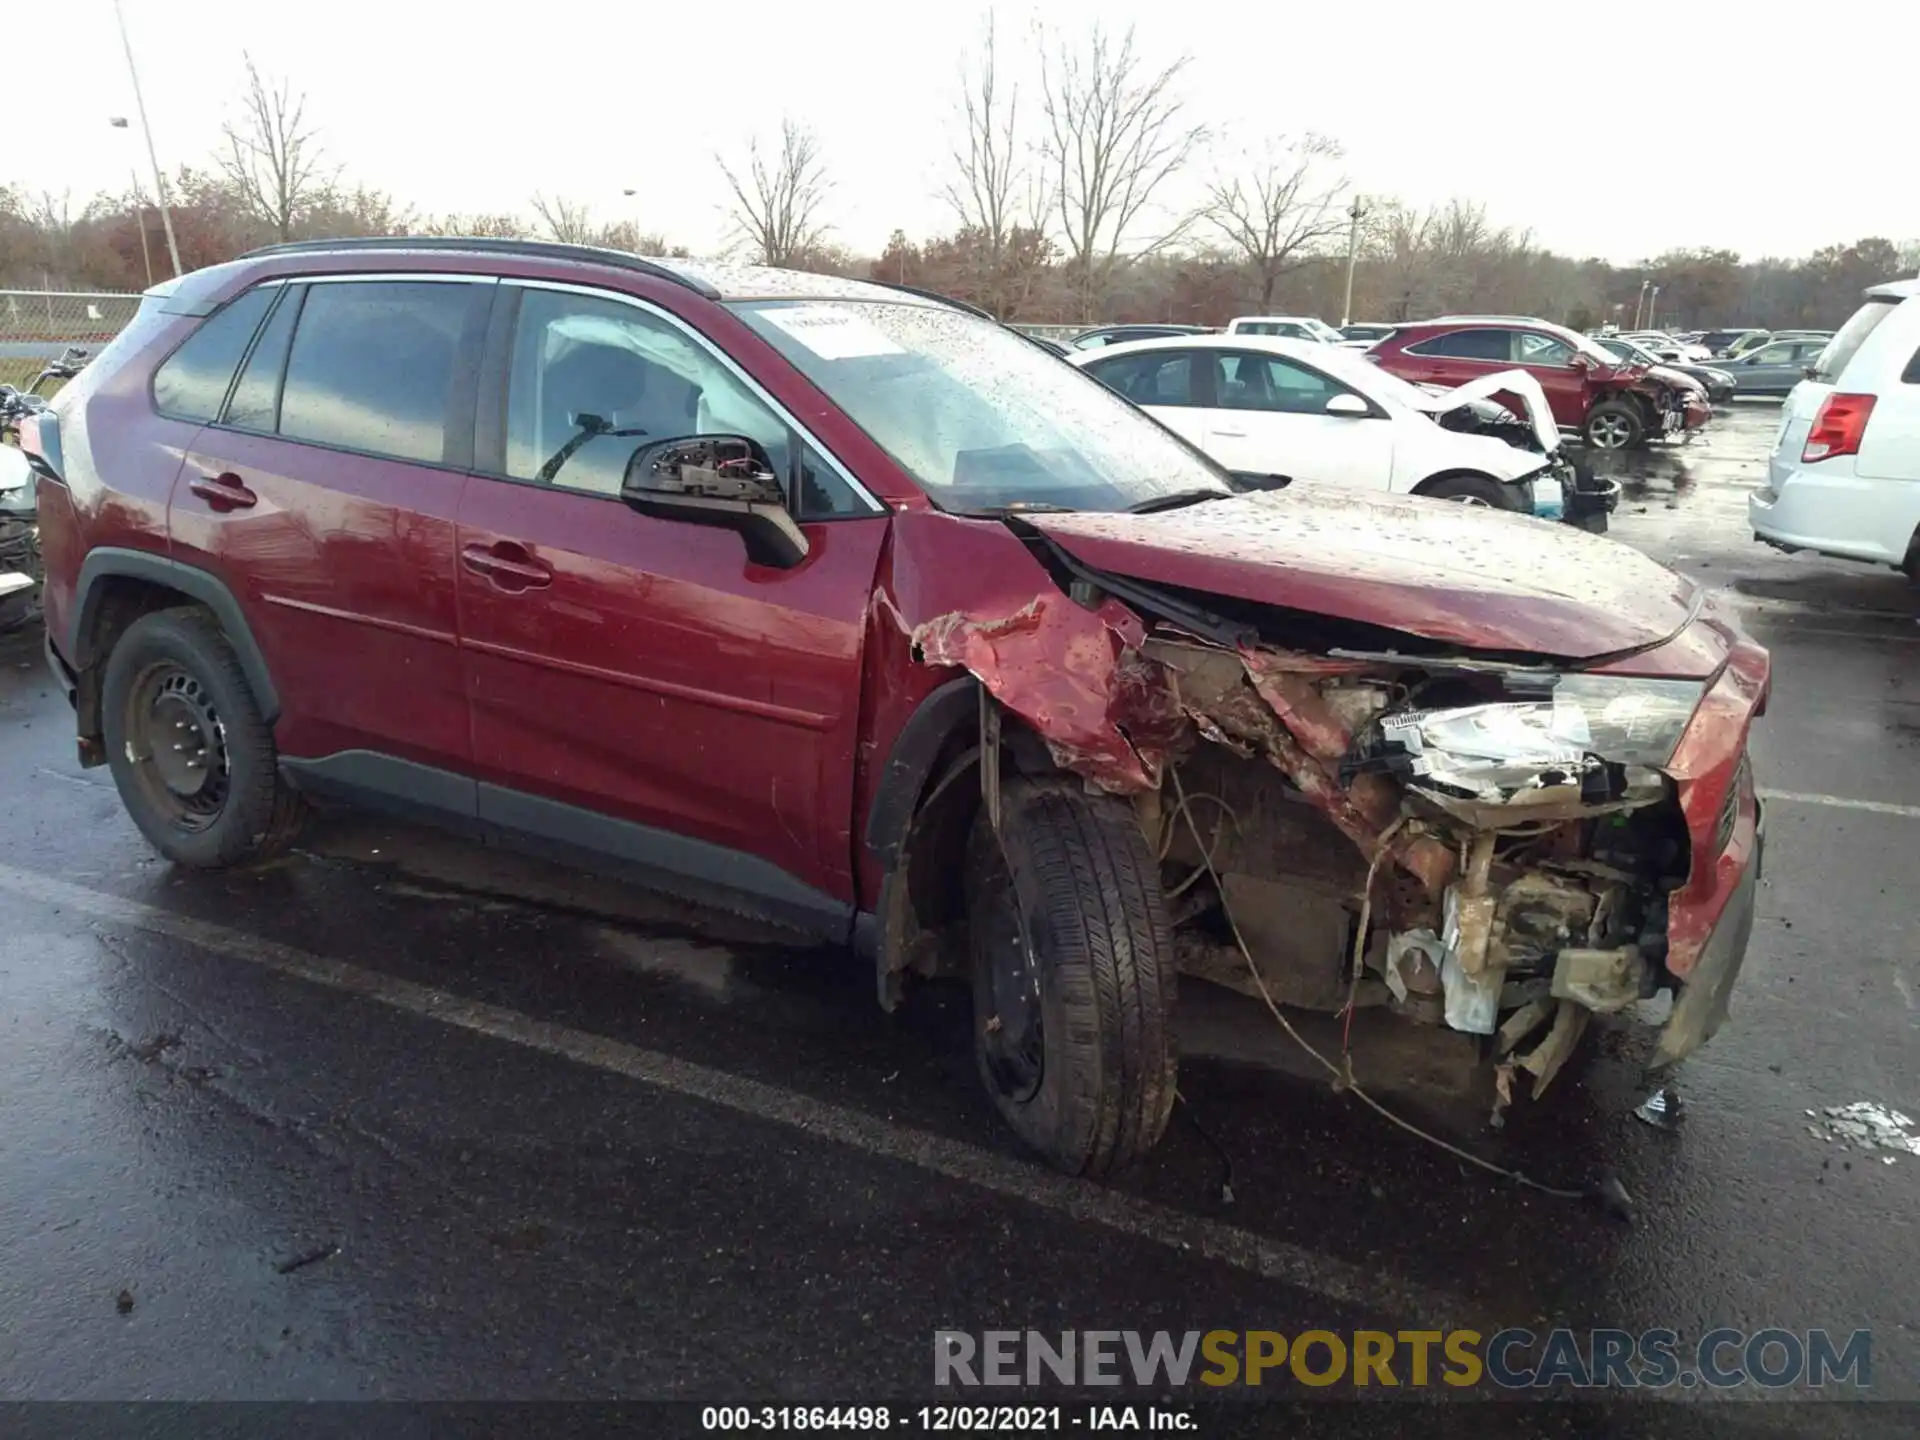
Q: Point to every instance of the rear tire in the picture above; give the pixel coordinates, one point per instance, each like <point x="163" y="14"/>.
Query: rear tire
<point x="1073" y="971"/>
<point x="1472" y="490"/>
<point x="1614" y="425"/>
<point x="194" y="762"/>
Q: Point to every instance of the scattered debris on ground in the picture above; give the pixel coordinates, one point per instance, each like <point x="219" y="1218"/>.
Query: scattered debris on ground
<point x="1869" y="1126"/>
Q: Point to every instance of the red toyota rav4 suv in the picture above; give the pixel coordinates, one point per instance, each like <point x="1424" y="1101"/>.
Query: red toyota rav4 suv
<point x="1613" y="405"/>
<point x="845" y="606"/>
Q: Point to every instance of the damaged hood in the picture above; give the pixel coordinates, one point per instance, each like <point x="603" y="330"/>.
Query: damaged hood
<point x="1465" y="575"/>
<point x="1533" y="400"/>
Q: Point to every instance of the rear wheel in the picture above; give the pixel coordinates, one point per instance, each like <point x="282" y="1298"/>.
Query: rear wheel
<point x="1614" y="425"/>
<point x="1473" y="490"/>
<point x="193" y="759"/>
<point x="1073" y="976"/>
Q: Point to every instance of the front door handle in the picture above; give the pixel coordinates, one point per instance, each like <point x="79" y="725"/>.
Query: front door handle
<point x="507" y="566"/>
<point x="223" y="492"/>
<point x="1231" y="434"/>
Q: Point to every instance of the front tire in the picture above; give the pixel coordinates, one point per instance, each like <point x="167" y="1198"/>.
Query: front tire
<point x="1073" y="974"/>
<point x="1471" y="490"/>
<point x="194" y="761"/>
<point x="1614" y="425"/>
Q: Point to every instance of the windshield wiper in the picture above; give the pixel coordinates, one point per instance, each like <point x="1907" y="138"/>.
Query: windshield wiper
<point x="1156" y="503"/>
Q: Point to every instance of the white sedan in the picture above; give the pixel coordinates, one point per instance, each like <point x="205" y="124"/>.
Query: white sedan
<point x="1263" y="405"/>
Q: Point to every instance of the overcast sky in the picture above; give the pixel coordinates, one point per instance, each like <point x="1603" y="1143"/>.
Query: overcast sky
<point x="1611" y="129"/>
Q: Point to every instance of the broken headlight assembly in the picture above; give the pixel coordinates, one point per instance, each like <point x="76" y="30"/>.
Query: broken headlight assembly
<point x="1590" y="739"/>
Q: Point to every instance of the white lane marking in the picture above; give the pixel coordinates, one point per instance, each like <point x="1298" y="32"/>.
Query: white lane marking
<point x="1841" y="802"/>
<point x="1079" y="1200"/>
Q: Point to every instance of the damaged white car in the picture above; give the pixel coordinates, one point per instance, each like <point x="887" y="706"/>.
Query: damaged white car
<point x="1271" y="409"/>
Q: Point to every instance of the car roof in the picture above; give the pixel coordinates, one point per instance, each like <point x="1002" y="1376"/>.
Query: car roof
<point x="1311" y="351"/>
<point x="1289" y="319"/>
<point x="1896" y="289"/>
<point x="716" y="280"/>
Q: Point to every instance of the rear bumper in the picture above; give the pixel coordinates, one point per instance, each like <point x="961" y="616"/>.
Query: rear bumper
<point x="1829" y="510"/>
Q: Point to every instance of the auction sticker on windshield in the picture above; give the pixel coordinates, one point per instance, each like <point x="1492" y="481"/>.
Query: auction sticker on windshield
<point x="830" y="331"/>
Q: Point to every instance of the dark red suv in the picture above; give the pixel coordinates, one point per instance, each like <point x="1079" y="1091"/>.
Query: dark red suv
<point x="1611" y="404"/>
<point x="847" y="607"/>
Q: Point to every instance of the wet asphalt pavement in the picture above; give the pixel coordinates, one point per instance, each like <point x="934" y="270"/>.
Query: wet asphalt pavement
<point x="403" y="1118"/>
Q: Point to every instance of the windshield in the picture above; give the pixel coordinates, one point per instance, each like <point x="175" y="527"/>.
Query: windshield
<point x="979" y="417"/>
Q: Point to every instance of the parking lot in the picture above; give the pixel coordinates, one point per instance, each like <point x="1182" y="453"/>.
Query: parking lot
<point x="398" y="1117"/>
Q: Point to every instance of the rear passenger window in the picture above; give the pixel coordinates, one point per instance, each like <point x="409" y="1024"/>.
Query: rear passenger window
<point x="372" y="366"/>
<point x="194" y="379"/>
<point x="1468" y="345"/>
<point x="256" y="399"/>
<point x="1155" y="378"/>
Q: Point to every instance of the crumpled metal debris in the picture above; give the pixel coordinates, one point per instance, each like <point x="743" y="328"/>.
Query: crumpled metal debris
<point x="1868" y="1125"/>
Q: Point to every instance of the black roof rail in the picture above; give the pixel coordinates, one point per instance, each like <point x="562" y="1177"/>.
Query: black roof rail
<point x="492" y="245"/>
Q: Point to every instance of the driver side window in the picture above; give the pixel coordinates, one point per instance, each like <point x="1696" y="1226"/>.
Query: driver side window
<point x="592" y="380"/>
<point x="1534" y="349"/>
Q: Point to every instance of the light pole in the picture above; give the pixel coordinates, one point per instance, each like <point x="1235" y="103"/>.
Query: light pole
<point x="1354" y="216"/>
<point x="140" y="104"/>
<point x="1640" y="303"/>
<point x="1653" y="306"/>
<point x="119" y="122"/>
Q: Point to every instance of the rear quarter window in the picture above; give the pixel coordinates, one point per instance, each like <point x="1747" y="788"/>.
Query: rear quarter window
<point x="1851" y="336"/>
<point x="192" y="382"/>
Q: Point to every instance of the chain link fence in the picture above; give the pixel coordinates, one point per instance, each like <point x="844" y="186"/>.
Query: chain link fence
<point x="38" y="325"/>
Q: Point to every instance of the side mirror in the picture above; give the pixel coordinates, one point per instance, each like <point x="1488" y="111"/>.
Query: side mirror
<point x="1579" y="361"/>
<point x="1350" y="406"/>
<point x="723" y="480"/>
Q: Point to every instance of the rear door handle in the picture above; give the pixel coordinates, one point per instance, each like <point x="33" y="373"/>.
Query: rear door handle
<point x="507" y="565"/>
<point x="223" y="492"/>
<point x="1231" y="434"/>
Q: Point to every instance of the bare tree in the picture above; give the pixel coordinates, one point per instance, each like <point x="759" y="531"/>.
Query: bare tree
<point x="273" y="157"/>
<point x="1281" y="212"/>
<point x="1116" y="131"/>
<point x="566" y="221"/>
<point x="996" y="191"/>
<point x="776" y="204"/>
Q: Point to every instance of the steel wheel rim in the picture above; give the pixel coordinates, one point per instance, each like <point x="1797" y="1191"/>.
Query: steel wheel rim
<point x="177" y="745"/>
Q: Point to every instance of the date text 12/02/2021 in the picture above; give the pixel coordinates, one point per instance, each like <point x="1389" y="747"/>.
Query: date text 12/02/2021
<point x="945" y="1419"/>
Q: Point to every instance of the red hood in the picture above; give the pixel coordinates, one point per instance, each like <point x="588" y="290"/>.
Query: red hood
<point x="1474" y="577"/>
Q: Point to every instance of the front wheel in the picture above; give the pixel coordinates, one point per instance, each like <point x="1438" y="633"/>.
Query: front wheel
<point x="193" y="760"/>
<point x="1073" y="976"/>
<point x="1614" y="425"/>
<point x="1473" y="490"/>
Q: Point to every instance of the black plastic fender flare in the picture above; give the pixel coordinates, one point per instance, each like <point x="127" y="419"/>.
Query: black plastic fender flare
<point x="108" y="561"/>
<point x="916" y="749"/>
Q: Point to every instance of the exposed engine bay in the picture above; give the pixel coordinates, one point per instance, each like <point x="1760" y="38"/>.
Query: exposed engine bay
<point x="1481" y="848"/>
<point x="1485" y="844"/>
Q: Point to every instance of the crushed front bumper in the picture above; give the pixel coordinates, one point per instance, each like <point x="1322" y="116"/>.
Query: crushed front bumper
<point x="1588" y="499"/>
<point x="1701" y="1004"/>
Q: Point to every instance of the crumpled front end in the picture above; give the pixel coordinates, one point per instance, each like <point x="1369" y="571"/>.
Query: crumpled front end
<point x="1505" y="849"/>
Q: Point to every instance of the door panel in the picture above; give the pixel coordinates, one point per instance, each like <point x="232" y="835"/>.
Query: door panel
<point x="344" y="561"/>
<point x="1272" y="410"/>
<point x="659" y="678"/>
<point x="642" y="668"/>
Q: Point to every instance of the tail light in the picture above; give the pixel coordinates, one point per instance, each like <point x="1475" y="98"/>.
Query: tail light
<point x="1837" y="427"/>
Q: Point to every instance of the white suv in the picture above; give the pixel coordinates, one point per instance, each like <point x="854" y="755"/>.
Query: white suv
<point x="1845" y="474"/>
